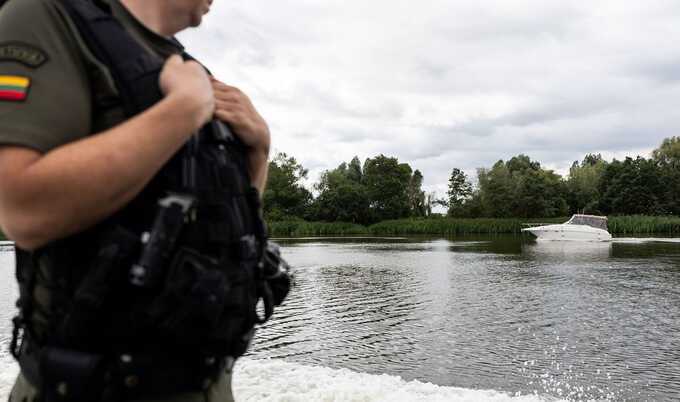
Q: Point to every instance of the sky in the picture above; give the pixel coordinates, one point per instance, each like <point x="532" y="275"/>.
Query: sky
<point x="451" y="83"/>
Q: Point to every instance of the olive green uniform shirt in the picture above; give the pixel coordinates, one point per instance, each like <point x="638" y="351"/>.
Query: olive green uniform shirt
<point x="67" y="95"/>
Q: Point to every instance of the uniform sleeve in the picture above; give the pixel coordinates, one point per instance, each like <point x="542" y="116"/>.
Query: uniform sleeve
<point x="45" y="97"/>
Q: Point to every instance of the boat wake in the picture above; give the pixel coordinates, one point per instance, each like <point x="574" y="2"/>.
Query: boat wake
<point x="276" y="380"/>
<point x="640" y="240"/>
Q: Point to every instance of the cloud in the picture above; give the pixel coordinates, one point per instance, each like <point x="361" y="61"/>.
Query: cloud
<point x="451" y="83"/>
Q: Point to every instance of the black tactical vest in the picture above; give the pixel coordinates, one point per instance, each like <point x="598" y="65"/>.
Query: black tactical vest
<point x="76" y="293"/>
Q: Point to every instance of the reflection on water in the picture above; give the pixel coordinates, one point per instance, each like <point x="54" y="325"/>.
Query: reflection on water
<point x="576" y="321"/>
<point x="567" y="252"/>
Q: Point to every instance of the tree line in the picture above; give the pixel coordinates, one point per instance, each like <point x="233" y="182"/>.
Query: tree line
<point x="382" y="188"/>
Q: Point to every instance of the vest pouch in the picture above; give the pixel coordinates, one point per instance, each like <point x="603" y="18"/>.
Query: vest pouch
<point x="192" y="300"/>
<point x="106" y="274"/>
<point x="277" y="273"/>
<point x="71" y="376"/>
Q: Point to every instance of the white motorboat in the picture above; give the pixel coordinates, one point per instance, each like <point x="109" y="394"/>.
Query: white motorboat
<point x="578" y="228"/>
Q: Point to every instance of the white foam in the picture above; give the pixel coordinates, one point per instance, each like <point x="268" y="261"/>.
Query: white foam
<point x="8" y="373"/>
<point x="280" y="381"/>
<point x="276" y="380"/>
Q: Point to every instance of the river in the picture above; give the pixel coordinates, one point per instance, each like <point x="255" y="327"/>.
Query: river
<point x="470" y="318"/>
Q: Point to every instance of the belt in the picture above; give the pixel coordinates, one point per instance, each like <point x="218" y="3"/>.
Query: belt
<point x="75" y="376"/>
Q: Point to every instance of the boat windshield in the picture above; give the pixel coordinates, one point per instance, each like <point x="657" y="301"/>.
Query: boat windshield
<point x="599" y="222"/>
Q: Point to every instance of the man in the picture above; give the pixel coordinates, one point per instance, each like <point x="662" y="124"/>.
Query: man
<point x="75" y="162"/>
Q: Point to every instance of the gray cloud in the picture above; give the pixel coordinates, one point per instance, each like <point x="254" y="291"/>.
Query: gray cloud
<point x="451" y="83"/>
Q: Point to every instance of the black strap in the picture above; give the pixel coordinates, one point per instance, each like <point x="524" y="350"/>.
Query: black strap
<point x="26" y="266"/>
<point x="135" y="71"/>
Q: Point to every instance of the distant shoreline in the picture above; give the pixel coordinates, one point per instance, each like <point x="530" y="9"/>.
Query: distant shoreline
<point x="618" y="225"/>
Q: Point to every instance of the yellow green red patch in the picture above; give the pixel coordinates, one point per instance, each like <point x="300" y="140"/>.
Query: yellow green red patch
<point x="14" y="88"/>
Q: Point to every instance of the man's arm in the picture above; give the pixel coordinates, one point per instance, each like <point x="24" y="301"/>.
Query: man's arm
<point x="50" y="196"/>
<point x="234" y="107"/>
<point x="259" y="169"/>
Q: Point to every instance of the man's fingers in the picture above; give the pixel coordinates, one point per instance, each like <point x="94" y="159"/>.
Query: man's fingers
<point x="228" y="97"/>
<point x="222" y="87"/>
<point x="229" y="105"/>
<point x="227" y="116"/>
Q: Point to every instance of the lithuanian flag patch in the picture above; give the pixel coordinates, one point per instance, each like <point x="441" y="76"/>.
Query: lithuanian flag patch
<point x="14" y="88"/>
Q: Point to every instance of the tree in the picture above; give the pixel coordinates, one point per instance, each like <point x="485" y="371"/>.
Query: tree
<point x="632" y="186"/>
<point x="459" y="192"/>
<point x="496" y="190"/>
<point x="416" y="195"/>
<point x="583" y="195"/>
<point x="354" y="170"/>
<point x="668" y="153"/>
<point x="667" y="158"/>
<point x="285" y="196"/>
<point x="341" y="197"/>
<point x="387" y="182"/>
<point x="520" y="188"/>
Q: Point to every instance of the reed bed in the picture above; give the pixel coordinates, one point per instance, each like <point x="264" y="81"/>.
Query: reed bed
<point x="303" y="228"/>
<point x="640" y="224"/>
<point x="452" y="226"/>
<point x="619" y="225"/>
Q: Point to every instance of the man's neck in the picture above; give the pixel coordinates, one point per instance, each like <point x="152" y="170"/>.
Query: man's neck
<point x="154" y="15"/>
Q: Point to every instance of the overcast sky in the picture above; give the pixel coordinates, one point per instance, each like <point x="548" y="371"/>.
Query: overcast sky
<point x="451" y="83"/>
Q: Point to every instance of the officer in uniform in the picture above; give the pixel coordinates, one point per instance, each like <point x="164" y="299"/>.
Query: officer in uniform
<point x="91" y="144"/>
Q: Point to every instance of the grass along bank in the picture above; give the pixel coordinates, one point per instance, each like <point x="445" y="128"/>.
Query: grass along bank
<point x="618" y="225"/>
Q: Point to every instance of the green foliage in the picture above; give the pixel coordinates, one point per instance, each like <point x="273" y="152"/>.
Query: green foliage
<point x="638" y="224"/>
<point x="302" y="228"/>
<point x="520" y="188"/>
<point x="583" y="185"/>
<point x="460" y="191"/>
<point x="342" y="196"/>
<point x="668" y="153"/>
<point x="667" y="158"/>
<point x="416" y="195"/>
<point x="436" y="225"/>
<point x="384" y="189"/>
<point x="631" y="187"/>
<point x="387" y="182"/>
<point x="446" y="226"/>
<point x="285" y="195"/>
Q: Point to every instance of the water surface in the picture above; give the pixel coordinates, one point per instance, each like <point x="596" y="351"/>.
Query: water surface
<point x="565" y="321"/>
<point x="577" y="321"/>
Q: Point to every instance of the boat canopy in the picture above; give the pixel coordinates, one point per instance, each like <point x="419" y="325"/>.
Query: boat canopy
<point x="599" y="222"/>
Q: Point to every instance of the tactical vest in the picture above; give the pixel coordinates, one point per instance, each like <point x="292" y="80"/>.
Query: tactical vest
<point x="76" y="293"/>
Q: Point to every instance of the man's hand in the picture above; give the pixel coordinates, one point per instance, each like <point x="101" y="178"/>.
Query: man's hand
<point x="188" y="81"/>
<point x="235" y="108"/>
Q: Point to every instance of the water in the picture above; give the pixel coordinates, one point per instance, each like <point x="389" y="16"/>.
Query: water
<point x="560" y="321"/>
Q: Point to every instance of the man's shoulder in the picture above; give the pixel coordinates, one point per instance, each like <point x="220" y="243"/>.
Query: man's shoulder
<point x="28" y="19"/>
<point x="24" y="10"/>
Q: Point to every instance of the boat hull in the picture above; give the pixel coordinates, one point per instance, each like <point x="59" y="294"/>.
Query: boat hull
<point x="569" y="233"/>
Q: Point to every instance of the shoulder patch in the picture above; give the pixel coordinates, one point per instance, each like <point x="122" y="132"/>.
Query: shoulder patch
<point x="22" y="53"/>
<point x="14" y="88"/>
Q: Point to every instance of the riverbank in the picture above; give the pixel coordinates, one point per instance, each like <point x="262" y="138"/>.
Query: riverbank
<point x="618" y="225"/>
